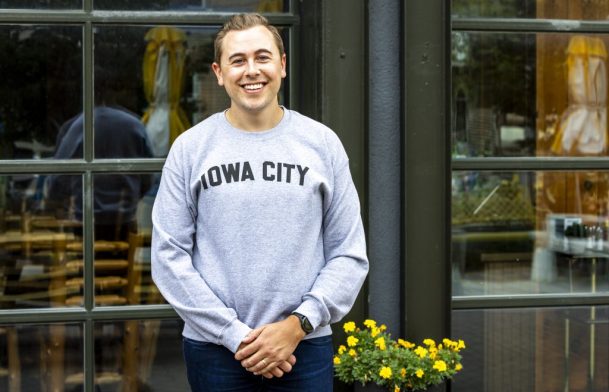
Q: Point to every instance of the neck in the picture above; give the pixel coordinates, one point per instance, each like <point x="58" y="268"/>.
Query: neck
<point x="254" y="121"/>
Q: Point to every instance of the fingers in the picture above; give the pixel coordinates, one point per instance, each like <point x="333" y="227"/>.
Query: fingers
<point x="270" y="366"/>
<point x="292" y="360"/>
<point x="245" y="343"/>
<point x="252" y="335"/>
<point x="264" y="365"/>
<point x="285" y="367"/>
<point x="246" y="351"/>
<point x="276" y="372"/>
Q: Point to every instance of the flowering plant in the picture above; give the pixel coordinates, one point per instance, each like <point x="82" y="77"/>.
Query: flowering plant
<point x="370" y="355"/>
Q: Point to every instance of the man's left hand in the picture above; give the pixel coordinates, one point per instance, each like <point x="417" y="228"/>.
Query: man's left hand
<point x="270" y="345"/>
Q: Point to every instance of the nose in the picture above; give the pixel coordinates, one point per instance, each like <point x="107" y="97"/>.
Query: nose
<point x="252" y="68"/>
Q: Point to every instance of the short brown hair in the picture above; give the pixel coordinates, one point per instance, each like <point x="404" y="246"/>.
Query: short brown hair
<point x="243" y="22"/>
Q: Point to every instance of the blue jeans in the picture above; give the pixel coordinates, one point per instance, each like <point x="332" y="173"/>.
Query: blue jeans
<point x="213" y="368"/>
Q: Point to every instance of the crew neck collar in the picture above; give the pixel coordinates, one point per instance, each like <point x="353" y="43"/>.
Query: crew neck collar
<point x="256" y="134"/>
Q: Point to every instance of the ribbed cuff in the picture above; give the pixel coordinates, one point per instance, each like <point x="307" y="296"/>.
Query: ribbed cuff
<point x="234" y="333"/>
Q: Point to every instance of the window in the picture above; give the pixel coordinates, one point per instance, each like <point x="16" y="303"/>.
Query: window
<point x="86" y="120"/>
<point x="529" y="185"/>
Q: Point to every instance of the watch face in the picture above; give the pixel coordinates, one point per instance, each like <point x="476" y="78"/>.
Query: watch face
<point x="306" y="325"/>
<point x="304" y="322"/>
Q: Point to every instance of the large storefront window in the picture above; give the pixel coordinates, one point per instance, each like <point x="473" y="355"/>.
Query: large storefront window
<point x="530" y="193"/>
<point x="89" y="107"/>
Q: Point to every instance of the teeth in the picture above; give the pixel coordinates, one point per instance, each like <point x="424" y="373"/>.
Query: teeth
<point x="253" y="86"/>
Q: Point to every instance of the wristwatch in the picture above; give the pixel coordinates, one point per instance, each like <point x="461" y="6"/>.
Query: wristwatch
<point x="305" y="324"/>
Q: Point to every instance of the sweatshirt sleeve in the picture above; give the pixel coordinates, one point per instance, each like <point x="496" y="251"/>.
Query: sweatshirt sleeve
<point x="340" y="280"/>
<point x="174" y="225"/>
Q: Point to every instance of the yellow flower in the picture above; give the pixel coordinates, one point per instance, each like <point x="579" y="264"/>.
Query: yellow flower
<point x="458" y="367"/>
<point x="375" y="331"/>
<point x="342" y="349"/>
<point x="352" y="341"/>
<point x="405" y="343"/>
<point x="440" y="366"/>
<point x="380" y="343"/>
<point x="383" y="327"/>
<point x="403" y="372"/>
<point x="385" y="372"/>
<point x="349" y="326"/>
<point x="352" y="353"/>
<point x="461" y="344"/>
<point x="447" y="342"/>
<point x="396" y="388"/>
<point x="336" y="360"/>
<point x="420" y="351"/>
<point x="420" y="373"/>
<point x="370" y="323"/>
<point x="429" y="342"/>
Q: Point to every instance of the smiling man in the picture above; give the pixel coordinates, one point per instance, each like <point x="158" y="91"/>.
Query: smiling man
<point x="258" y="242"/>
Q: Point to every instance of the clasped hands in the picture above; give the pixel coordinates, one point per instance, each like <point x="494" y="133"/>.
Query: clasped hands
<point x="268" y="350"/>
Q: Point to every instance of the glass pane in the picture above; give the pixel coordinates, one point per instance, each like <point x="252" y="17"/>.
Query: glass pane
<point x="560" y="349"/>
<point x="40" y="90"/>
<point x="530" y="233"/>
<point x="40" y="224"/>
<point x="119" y="75"/>
<point x="38" y="357"/>
<point x="140" y="356"/>
<point x="123" y="227"/>
<point x="540" y="9"/>
<point x="196" y="5"/>
<point x="126" y="80"/>
<point x="529" y="95"/>
<point x="41" y="5"/>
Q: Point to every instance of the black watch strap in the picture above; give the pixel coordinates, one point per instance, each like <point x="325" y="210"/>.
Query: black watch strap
<point x="305" y="324"/>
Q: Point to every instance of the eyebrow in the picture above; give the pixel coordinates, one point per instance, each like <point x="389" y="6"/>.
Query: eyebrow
<point x="243" y="54"/>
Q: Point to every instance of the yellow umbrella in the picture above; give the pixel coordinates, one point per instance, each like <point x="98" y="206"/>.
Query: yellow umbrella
<point x="270" y="6"/>
<point x="582" y="129"/>
<point x="163" y="86"/>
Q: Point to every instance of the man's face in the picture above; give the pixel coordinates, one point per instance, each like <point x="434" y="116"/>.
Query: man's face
<point x="251" y="69"/>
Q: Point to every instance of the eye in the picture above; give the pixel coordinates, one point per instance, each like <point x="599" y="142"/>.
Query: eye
<point x="264" y="58"/>
<point x="237" y="61"/>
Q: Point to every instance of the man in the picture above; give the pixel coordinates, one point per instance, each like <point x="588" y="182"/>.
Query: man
<point x="258" y="242"/>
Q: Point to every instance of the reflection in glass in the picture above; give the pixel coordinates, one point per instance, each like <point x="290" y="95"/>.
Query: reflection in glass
<point x="529" y="95"/>
<point x="530" y="233"/>
<point x="196" y="5"/>
<point x="183" y="92"/>
<point x="140" y="355"/>
<point x="118" y="133"/>
<point x="123" y="227"/>
<point x="493" y="94"/>
<point x="559" y="349"/>
<point x="41" y="5"/>
<point x="163" y="76"/>
<point x="540" y="9"/>
<point x="36" y="357"/>
<point x="37" y="234"/>
<point x="40" y="89"/>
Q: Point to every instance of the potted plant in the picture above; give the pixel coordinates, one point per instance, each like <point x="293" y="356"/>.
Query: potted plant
<point x="371" y="357"/>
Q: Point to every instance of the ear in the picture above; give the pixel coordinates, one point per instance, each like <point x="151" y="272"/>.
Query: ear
<point x="283" y="66"/>
<point x="218" y="71"/>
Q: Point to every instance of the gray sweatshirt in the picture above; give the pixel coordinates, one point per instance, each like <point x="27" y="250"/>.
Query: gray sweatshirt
<point x="251" y="226"/>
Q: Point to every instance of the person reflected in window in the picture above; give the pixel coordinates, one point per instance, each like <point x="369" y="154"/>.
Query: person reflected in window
<point x="118" y="133"/>
<point x="257" y="239"/>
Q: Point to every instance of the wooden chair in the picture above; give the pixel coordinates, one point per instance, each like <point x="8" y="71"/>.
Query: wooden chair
<point x="121" y="278"/>
<point x="23" y="244"/>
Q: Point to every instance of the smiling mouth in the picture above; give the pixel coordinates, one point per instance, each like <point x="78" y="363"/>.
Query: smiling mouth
<point x="253" y="86"/>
